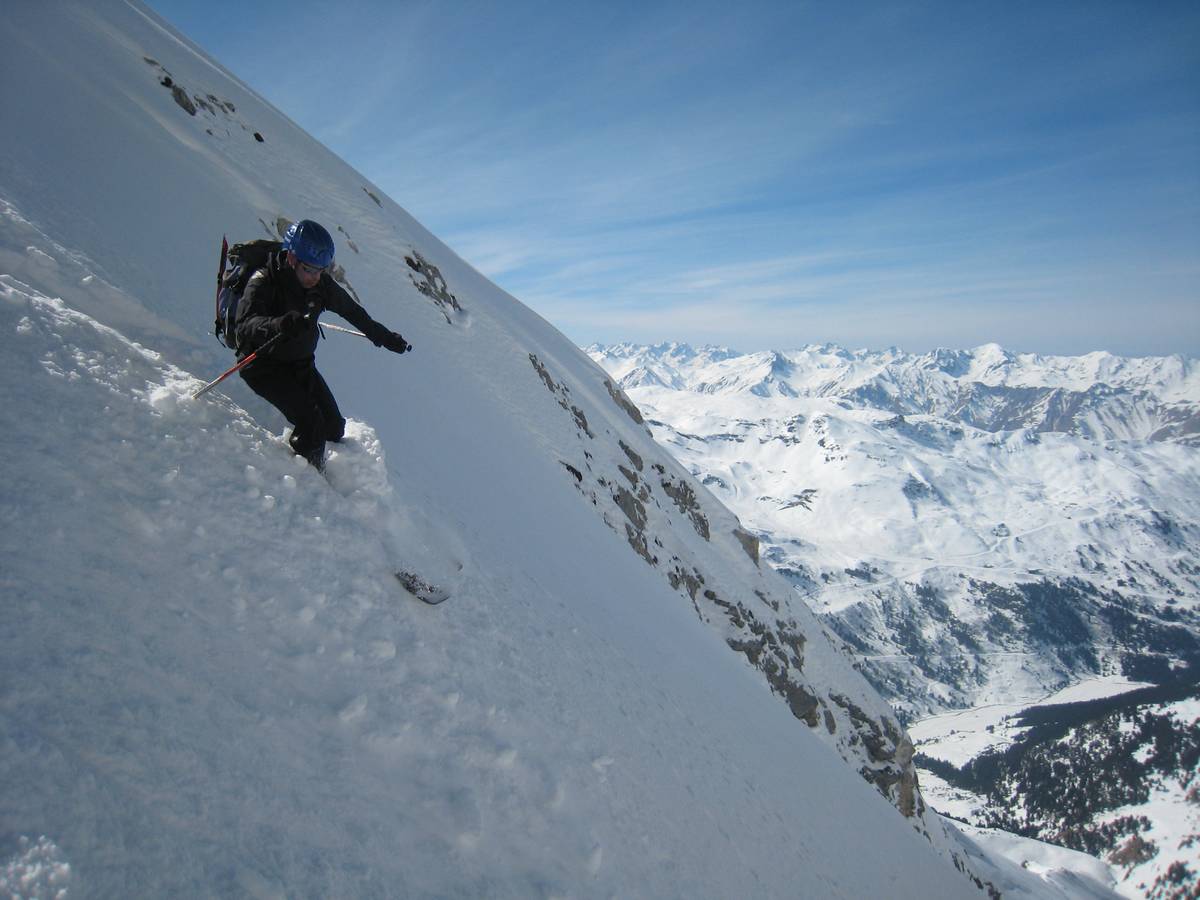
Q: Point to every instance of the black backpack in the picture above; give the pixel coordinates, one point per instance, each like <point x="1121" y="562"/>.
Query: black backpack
<point x="238" y="263"/>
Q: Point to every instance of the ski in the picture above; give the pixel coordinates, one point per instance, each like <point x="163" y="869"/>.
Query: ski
<point x="422" y="589"/>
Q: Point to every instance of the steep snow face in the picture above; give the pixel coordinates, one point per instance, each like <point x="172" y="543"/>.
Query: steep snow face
<point x="214" y="684"/>
<point x="212" y="680"/>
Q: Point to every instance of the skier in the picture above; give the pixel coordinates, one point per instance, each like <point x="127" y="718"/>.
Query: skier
<point x="285" y="298"/>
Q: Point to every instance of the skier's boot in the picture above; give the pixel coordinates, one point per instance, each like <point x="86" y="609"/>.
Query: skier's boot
<point x="312" y="451"/>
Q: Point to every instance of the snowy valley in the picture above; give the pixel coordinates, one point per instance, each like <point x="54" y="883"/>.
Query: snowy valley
<point x="986" y="532"/>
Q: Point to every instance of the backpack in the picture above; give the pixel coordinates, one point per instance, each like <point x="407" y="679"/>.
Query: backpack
<point x="238" y="263"/>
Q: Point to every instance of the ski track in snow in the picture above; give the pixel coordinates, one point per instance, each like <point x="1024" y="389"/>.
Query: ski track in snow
<point x="257" y="561"/>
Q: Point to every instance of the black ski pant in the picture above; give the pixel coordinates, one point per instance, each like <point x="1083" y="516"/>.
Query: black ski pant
<point x="298" y="391"/>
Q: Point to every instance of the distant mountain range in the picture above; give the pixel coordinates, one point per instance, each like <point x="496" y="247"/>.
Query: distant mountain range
<point x="1101" y="396"/>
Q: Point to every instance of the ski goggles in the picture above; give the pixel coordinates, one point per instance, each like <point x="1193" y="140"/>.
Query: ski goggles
<point x="309" y="269"/>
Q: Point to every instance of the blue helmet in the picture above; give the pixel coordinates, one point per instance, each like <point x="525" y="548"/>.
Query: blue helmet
<point x="310" y="242"/>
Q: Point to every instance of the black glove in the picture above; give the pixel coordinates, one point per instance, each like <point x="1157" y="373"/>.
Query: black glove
<point x="291" y="323"/>
<point x="376" y="333"/>
<point x="394" y="342"/>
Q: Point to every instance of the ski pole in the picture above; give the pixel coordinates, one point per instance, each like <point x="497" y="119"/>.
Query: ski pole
<point x="343" y="330"/>
<point x="241" y="365"/>
<point x="349" y="331"/>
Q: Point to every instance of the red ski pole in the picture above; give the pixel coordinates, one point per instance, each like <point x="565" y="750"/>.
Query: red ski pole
<point x="241" y="365"/>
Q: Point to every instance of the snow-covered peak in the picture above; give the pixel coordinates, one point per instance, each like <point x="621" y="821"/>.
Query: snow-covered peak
<point x="1099" y="394"/>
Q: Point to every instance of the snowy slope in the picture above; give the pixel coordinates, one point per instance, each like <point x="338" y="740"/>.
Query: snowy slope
<point x="210" y="680"/>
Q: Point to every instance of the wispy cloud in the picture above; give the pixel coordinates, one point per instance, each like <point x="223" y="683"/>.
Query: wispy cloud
<point x="929" y="172"/>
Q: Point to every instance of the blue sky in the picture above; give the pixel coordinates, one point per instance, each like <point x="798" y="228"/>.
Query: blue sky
<point x="768" y="175"/>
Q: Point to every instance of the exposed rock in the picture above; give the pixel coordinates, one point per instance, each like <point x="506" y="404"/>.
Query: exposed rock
<point x="633" y="508"/>
<point x="915" y="489"/>
<point x="430" y="282"/>
<point x="771" y="602"/>
<point x="685" y="498"/>
<point x="802" y="702"/>
<point x="633" y="457"/>
<point x="637" y="540"/>
<point x="581" y="421"/>
<point x="624" y="402"/>
<point x="879" y="748"/>
<point x="738" y="615"/>
<point x="794" y="641"/>
<point x="562" y="393"/>
<point x="213" y="105"/>
<point x="349" y="242"/>
<point x="803" y="500"/>
<point x="543" y="373"/>
<point x="749" y="543"/>
<point x="180" y="95"/>
<point x="691" y="581"/>
<point x="891" y="752"/>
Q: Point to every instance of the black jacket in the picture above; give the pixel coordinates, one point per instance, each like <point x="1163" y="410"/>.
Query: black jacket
<point x="275" y="290"/>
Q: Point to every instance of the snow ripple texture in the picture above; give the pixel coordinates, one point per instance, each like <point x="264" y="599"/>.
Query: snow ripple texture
<point x="189" y="513"/>
<point x="37" y="870"/>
